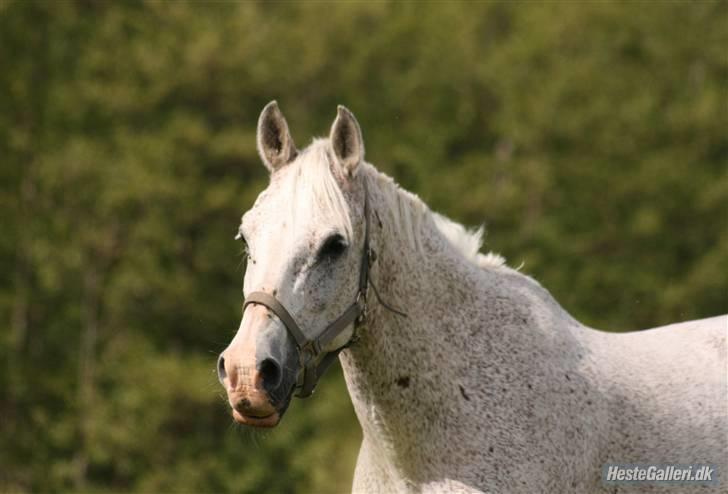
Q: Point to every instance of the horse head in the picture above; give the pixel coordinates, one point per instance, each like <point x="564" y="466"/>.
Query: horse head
<point x="305" y="283"/>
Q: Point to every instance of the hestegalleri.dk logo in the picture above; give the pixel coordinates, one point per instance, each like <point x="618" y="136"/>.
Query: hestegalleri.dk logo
<point x="672" y="473"/>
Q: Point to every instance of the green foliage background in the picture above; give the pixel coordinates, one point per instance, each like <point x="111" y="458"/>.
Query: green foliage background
<point x="590" y="137"/>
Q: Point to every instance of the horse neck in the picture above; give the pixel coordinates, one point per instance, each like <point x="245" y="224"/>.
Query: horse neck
<point x="409" y="377"/>
<point x="400" y="371"/>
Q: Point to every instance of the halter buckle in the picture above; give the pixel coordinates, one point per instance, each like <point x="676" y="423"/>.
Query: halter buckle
<point x="372" y="255"/>
<point x="361" y="301"/>
<point x="309" y="351"/>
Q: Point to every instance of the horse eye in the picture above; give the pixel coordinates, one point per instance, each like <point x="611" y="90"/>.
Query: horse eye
<point x="334" y="247"/>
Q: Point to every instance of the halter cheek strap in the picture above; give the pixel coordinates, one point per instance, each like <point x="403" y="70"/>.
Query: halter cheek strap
<point x="310" y="349"/>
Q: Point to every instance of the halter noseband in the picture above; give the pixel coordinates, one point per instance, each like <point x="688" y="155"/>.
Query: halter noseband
<point x="309" y="349"/>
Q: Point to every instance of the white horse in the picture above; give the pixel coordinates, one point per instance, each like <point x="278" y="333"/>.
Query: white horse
<point x="487" y="384"/>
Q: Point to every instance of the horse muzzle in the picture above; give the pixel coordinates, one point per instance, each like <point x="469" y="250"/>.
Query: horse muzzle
<point x="258" y="370"/>
<point x="244" y="412"/>
<point x="250" y="401"/>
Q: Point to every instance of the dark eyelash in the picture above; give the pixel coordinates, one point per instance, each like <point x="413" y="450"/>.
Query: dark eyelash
<point x="244" y="241"/>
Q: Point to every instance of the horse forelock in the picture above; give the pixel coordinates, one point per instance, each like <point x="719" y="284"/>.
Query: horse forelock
<point x="312" y="188"/>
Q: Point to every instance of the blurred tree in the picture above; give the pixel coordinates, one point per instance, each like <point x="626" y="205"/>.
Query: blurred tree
<point x="589" y="137"/>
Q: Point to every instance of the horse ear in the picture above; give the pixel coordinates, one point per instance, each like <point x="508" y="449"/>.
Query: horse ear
<point x="275" y="144"/>
<point x="346" y="141"/>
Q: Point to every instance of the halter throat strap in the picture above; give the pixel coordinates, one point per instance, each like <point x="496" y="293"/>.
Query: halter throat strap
<point x="310" y="349"/>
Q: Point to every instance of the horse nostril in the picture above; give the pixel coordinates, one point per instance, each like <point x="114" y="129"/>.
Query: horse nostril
<point x="221" y="374"/>
<point x="270" y="371"/>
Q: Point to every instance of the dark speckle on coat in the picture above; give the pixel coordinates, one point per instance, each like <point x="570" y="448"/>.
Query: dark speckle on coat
<point x="462" y="392"/>
<point x="403" y="382"/>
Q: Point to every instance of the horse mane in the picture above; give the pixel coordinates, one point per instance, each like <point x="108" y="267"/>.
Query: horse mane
<point x="407" y="211"/>
<point x="468" y="242"/>
<point x="410" y="213"/>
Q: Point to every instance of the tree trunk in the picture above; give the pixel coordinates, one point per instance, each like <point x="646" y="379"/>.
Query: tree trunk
<point x="87" y="366"/>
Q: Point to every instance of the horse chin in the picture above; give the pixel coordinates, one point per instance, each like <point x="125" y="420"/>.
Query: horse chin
<point x="264" y="422"/>
<point x="267" y="421"/>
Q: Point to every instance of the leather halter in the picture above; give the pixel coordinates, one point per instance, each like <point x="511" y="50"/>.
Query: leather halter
<point x="310" y="349"/>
